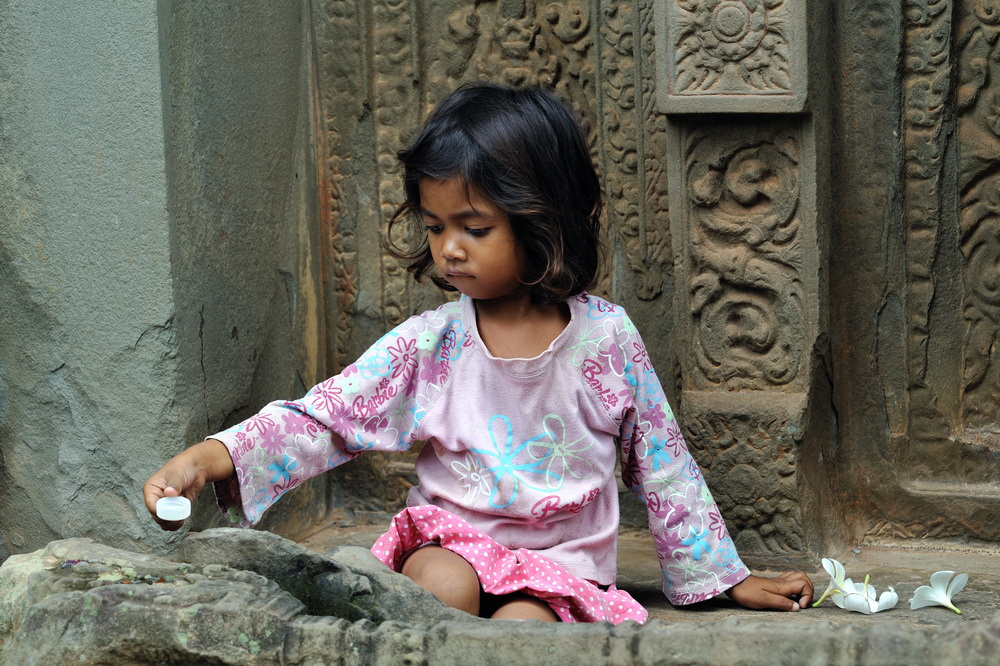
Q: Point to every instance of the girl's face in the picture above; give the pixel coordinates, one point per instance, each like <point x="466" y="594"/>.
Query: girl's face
<point x="471" y="240"/>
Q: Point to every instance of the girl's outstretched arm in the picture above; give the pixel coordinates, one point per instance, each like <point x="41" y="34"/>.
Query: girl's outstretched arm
<point x="186" y="474"/>
<point x="791" y="591"/>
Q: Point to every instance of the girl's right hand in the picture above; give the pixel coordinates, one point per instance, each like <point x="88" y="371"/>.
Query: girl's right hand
<point x="186" y="474"/>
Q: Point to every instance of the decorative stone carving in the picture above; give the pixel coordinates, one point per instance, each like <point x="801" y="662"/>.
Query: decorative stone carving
<point x="979" y="153"/>
<point x="340" y="102"/>
<point x="732" y="55"/>
<point x="746" y="243"/>
<point x="749" y="451"/>
<point x="749" y="329"/>
<point x="633" y="136"/>
<point x="742" y="244"/>
<point x="396" y="115"/>
<point x="926" y="88"/>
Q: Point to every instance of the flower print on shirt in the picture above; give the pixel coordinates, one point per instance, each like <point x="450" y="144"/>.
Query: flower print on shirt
<point x="326" y="396"/>
<point x="473" y="477"/>
<point x="717" y="524"/>
<point x="675" y="440"/>
<point x="294" y="422"/>
<point x="691" y="495"/>
<point x="649" y="389"/>
<point x="453" y="341"/>
<point x="692" y="471"/>
<point x="507" y="465"/>
<point x="311" y="455"/>
<point x="259" y="423"/>
<point x="655" y="416"/>
<point x="350" y="380"/>
<point x="668" y="542"/>
<point x="255" y="463"/>
<point x="699" y="545"/>
<point x="427" y="340"/>
<point x="587" y="343"/>
<point x="433" y="370"/>
<point x="685" y="571"/>
<point x="402" y="356"/>
<point x="376" y="361"/>
<point x="725" y="555"/>
<point x="563" y="457"/>
<point x="657" y="451"/>
<point x="283" y="470"/>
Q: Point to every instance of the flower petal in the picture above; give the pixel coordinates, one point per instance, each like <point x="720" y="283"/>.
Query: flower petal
<point x="939" y="580"/>
<point x="888" y="600"/>
<point x="924" y="596"/>
<point x="857" y="603"/>
<point x="957" y="585"/>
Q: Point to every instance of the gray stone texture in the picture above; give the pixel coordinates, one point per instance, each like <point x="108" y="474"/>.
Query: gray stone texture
<point x="246" y="597"/>
<point x="158" y="265"/>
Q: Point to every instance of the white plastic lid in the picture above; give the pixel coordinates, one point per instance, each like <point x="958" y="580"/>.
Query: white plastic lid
<point x="173" y="508"/>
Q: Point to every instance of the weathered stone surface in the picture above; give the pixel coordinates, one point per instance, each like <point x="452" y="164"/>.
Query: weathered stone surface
<point x="234" y="599"/>
<point x="348" y="582"/>
<point x="158" y="270"/>
<point x="80" y="602"/>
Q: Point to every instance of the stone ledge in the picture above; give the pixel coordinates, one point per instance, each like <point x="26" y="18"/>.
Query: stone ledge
<point x="252" y="597"/>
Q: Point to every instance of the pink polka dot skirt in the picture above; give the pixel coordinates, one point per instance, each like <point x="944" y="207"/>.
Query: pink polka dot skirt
<point x="504" y="571"/>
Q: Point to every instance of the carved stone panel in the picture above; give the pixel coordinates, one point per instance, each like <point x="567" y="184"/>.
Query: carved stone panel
<point x="749" y="449"/>
<point x="747" y="283"/>
<point x="732" y="56"/>
<point x="740" y="230"/>
<point x="979" y="184"/>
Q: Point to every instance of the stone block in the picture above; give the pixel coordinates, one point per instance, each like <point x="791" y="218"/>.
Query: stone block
<point x="731" y="56"/>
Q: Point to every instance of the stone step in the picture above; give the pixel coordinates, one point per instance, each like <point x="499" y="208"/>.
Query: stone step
<point x="901" y="566"/>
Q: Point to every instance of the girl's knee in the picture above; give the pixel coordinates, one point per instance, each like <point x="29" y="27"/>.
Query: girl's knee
<point x="446" y="575"/>
<point x="524" y="607"/>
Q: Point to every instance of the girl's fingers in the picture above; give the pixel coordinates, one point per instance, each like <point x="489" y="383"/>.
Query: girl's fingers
<point x="796" y="587"/>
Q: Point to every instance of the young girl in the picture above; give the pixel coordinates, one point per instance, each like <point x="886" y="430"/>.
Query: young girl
<point x="525" y="392"/>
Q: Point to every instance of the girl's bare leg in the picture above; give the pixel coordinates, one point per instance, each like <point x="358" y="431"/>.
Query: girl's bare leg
<point x="446" y="575"/>
<point x="525" y="608"/>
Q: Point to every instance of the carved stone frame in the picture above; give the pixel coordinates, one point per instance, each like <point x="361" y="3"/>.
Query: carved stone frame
<point x="724" y="56"/>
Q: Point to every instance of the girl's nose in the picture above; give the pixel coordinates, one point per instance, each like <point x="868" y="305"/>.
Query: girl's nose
<point x="452" y="248"/>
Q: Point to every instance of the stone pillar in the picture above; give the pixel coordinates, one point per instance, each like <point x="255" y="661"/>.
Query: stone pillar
<point x="746" y="152"/>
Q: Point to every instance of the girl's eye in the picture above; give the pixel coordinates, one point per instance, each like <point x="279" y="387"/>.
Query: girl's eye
<point x="478" y="232"/>
<point x="433" y="228"/>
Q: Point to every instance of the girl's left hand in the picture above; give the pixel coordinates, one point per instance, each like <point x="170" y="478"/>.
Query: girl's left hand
<point x="791" y="591"/>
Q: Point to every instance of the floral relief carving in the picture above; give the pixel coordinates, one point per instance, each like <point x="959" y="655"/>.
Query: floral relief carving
<point x="926" y="92"/>
<point x="338" y="101"/>
<point x="750" y="467"/>
<point x="745" y="255"/>
<point x="395" y="113"/>
<point x="731" y="46"/>
<point x="978" y="98"/>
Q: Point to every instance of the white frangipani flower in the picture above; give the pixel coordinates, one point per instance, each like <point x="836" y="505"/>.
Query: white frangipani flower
<point x="839" y="584"/>
<point x="940" y="591"/>
<point x="862" y="600"/>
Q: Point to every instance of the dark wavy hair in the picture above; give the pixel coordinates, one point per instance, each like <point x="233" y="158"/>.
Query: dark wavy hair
<point x="524" y="151"/>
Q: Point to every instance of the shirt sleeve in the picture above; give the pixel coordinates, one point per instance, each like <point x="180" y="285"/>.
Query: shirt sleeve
<point x="376" y="404"/>
<point x="696" y="553"/>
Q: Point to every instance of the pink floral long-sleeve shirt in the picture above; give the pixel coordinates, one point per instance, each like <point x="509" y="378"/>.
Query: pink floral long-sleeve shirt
<point x="524" y="449"/>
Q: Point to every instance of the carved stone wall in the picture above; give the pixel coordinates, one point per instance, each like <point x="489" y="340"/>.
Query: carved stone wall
<point x="743" y="316"/>
<point x="802" y="217"/>
<point x="917" y="384"/>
